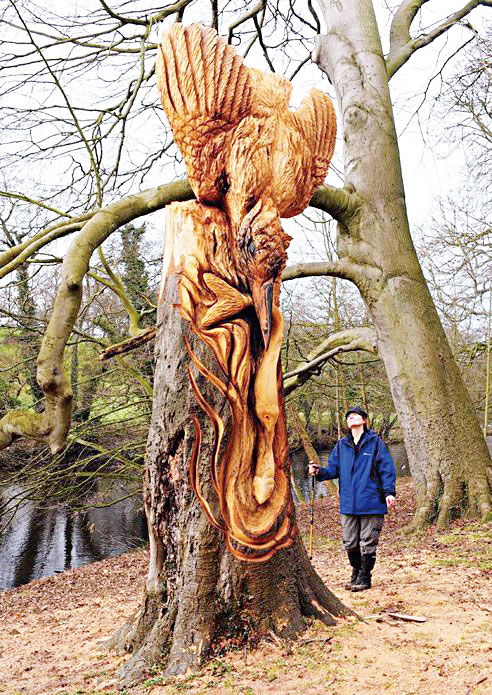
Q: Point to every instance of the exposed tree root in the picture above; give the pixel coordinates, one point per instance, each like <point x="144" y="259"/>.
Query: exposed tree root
<point x="448" y="498"/>
<point x="249" y="602"/>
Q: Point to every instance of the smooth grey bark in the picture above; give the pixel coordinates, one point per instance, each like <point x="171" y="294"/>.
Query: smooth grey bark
<point x="448" y="457"/>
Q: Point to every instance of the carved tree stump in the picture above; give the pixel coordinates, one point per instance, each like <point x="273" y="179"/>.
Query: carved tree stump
<point x="250" y="161"/>
<point x="198" y="595"/>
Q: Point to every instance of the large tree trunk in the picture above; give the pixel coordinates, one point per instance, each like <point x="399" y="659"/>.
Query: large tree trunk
<point x="448" y="456"/>
<point x="198" y="597"/>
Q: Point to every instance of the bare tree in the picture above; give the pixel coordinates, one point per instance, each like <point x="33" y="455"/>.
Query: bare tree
<point x="376" y="253"/>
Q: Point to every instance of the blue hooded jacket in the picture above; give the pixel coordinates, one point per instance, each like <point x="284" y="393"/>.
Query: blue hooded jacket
<point x="366" y="474"/>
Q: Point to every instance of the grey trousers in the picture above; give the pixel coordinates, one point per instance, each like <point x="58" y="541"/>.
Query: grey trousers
<point x="361" y="532"/>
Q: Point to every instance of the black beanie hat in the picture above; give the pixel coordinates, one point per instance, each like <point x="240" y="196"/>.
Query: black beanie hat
<point x="357" y="410"/>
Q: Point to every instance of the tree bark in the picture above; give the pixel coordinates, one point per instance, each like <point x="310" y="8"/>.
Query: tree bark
<point x="448" y="457"/>
<point x="198" y="598"/>
<point x="29" y="337"/>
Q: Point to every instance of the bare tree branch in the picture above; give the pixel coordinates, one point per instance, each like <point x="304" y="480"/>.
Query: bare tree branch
<point x="27" y="199"/>
<point x="159" y="16"/>
<point x="53" y="424"/>
<point x="14" y="256"/>
<point x="120" y="18"/>
<point x="400" y="26"/>
<point x="90" y="152"/>
<point x="129" y="344"/>
<point x="402" y="45"/>
<point x="215" y="15"/>
<point x="341" y="269"/>
<point x="315" y="15"/>
<point x="262" y="42"/>
<point x="336" y="201"/>
<point x="343" y="341"/>
<point x="256" y="9"/>
<point x="340" y="203"/>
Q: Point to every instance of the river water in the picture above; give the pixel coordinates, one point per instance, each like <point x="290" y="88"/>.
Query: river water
<point x="41" y="542"/>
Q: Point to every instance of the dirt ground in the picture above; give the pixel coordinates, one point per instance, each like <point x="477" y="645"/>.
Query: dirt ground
<point x="52" y="628"/>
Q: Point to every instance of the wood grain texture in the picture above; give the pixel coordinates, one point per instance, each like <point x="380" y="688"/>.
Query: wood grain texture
<point x="250" y="161"/>
<point x="250" y="501"/>
<point x="240" y="141"/>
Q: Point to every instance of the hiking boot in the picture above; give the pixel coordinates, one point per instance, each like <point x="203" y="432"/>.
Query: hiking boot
<point x="355" y="560"/>
<point x="363" y="581"/>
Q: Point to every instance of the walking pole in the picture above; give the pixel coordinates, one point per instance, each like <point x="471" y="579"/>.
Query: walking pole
<point x="311" y="530"/>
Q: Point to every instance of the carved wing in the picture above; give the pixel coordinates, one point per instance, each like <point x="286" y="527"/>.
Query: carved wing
<point x="205" y="91"/>
<point x="316" y="122"/>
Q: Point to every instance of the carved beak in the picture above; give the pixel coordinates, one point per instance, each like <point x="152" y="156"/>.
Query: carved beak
<point x="263" y="303"/>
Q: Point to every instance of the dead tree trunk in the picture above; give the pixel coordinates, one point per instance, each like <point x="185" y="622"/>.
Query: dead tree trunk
<point x="198" y="597"/>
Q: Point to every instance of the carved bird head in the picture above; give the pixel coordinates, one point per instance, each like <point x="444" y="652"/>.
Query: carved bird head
<point x="261" y="256"/>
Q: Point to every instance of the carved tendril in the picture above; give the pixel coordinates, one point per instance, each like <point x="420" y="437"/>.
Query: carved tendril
<point x="250" y="478"/>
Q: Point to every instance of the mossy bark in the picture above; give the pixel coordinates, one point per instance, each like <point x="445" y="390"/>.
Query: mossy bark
<point x="53" y="424"/>
<point x="448" y="456"/>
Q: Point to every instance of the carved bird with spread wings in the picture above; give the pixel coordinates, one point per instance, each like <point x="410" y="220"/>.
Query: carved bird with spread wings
<point x="245" y="151"/>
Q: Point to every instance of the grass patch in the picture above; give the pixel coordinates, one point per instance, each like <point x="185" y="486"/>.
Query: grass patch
<point x="459" y="561"/>
<point x="219" y="667"/>
<point x="326" y="543"/>
<point x="361" y="603"/>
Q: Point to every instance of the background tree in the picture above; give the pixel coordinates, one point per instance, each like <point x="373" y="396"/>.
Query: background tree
<point x="326" y="326"/>
<point x="111" y="400"/>
<point x="424" y="380"/>
<point x="456" y="247"/>
<point x="457" y="260"/>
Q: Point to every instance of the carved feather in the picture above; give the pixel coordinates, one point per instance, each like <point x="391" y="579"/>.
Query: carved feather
<point x="316" y="119"/>
<point x="205" y="92"/>
<point x="234" y="126"/>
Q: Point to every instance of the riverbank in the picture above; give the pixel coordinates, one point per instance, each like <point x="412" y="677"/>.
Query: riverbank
<point x="52" y="627"/>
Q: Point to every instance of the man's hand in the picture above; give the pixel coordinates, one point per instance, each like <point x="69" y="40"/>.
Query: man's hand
<point x="313" y="468"/>
<point x="390" y="501"/>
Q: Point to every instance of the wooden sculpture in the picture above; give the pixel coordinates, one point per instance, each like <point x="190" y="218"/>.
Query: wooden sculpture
<point x="250" y="160"/>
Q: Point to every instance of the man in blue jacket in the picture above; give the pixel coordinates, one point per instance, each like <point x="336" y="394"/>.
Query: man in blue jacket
<point x="367" y="487"/>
